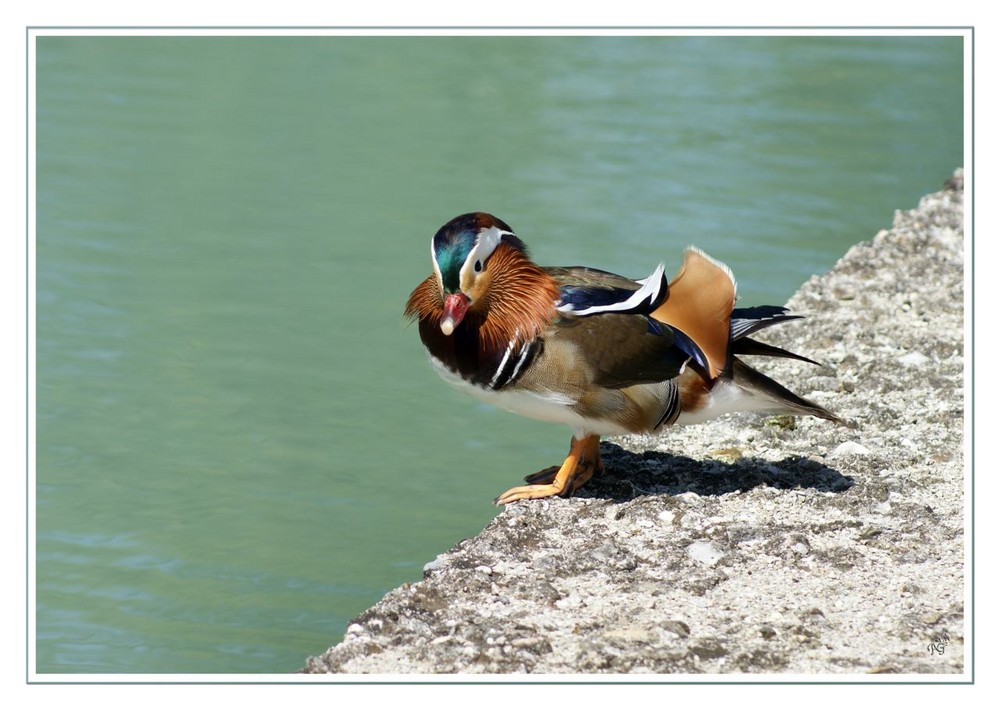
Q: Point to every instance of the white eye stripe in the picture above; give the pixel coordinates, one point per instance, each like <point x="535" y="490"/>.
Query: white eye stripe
<point x="437" y="269"/>
<point x="488" y="240"/>
<point x="486" y="244"/>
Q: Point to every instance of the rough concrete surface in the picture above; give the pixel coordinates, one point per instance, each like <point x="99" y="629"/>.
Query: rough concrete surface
<point x="749" y="544"/>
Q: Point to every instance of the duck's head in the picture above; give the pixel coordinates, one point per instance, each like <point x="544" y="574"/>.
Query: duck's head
<point x="461" y="252"/>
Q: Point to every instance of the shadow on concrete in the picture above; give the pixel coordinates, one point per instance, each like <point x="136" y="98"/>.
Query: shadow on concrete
<point x="629" y="475"/>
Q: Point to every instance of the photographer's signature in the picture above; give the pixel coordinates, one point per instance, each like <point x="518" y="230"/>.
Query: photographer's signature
<point x="938" y="644"/>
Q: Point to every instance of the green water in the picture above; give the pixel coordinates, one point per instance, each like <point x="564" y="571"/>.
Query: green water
<point x="240" y="445"/>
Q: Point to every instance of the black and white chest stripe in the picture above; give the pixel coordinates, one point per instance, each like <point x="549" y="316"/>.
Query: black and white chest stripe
<point x="516" y="358"/>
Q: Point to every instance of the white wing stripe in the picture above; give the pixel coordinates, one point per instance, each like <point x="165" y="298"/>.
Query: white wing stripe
<point x="651" y="288"/>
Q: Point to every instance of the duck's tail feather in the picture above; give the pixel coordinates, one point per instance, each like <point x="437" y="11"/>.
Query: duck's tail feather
<point x="747" y="321"/>
<point x="761" y="387"/>
<point x="699" y="304"/>
<point x="700" y="307"/>
<point x="748" y="346"/>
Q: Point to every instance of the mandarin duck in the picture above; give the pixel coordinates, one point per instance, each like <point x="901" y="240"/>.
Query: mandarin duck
<point x="605" y="354"/>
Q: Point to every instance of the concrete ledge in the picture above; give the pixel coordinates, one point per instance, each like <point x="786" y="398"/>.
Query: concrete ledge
<point x="748" y="544"/>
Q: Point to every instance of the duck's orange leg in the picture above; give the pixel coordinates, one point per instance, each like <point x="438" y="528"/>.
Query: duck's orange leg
<point x="547" y="475"/>
<point x="583" y="460"/>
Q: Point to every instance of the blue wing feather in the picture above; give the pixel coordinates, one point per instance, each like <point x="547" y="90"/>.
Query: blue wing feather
<point x="683" y="343"/>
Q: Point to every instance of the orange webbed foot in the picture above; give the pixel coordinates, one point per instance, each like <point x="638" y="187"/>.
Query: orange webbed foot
<point x="583" y="461"/>
<point x="546" y="475"/>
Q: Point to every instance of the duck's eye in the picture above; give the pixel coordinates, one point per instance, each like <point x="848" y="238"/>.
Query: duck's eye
<point x="478" y="266"/>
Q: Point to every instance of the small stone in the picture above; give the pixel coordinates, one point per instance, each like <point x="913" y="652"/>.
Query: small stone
<point x="528" y="642"/>
<point x="676" y="627"/>
<point x="632" y="635"/>
<point x="708" y="649"/>
<point x="849" y="448"/>
<point x="669" y="517"/>
<point x="705" y="552"/>
<point x="484" y="569"/>
<point x="571" y="601"/>
<point x="913" y="360"/>
<point x="435" y="564"/>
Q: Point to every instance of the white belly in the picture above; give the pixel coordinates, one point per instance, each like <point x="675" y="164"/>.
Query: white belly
<point x="726" y="398"/>
<point x="547" y="406"/>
